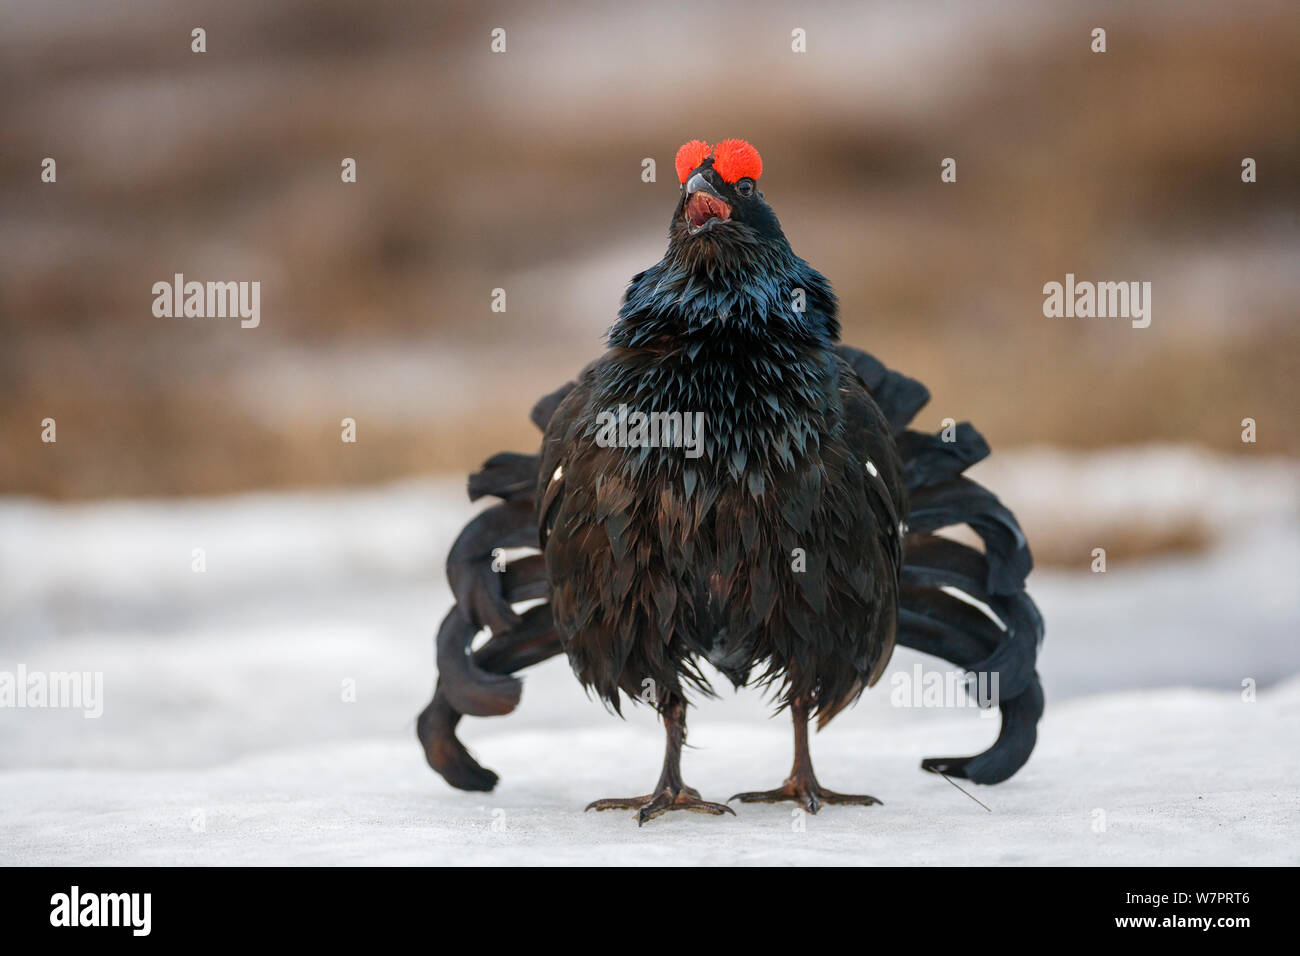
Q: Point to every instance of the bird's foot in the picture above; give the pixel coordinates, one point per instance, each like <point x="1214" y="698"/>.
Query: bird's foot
<point x="807" y="793"/>
<point x="657" y="804"/>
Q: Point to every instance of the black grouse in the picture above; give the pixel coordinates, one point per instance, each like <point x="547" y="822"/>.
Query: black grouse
<point x="729" y="484"/>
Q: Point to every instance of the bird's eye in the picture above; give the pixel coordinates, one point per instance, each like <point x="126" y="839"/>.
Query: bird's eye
<point x="745" y="187"/>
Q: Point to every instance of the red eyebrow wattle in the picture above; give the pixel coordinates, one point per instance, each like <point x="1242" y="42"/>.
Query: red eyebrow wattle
<point x="735" y="159"/>
<point x="690" y="156"/>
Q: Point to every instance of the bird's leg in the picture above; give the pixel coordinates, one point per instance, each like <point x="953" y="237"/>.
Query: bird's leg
<point x="802" y="786"/>
<point x="670" y="792"/>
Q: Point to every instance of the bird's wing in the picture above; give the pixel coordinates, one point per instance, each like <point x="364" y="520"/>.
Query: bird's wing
<point x="567" y="416"/>
<point x="863" y="464"/>
<point x="869" y="433"/>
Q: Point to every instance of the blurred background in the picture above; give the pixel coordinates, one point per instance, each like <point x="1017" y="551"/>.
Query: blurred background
<point x="523" y="171"/>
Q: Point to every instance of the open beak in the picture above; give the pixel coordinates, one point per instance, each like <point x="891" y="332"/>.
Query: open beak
<point x="703" y="204"/>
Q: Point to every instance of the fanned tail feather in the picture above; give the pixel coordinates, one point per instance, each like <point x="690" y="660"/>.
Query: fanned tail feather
<point x="480" y="682"/>
<point x="931" y="619"/>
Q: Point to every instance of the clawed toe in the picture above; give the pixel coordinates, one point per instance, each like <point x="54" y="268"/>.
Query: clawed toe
<point x="761" y="796"/>
<point x="653" y="805"/>
<point x="809" y="796"/>
<point x="849" y="799"/>
<point x="619" y="803"/>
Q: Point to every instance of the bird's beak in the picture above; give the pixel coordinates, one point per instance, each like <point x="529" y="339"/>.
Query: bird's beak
<point x="698" y="184"/>
<point x="704" y="205"/>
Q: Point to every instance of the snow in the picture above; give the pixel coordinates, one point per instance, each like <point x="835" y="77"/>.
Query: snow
<point x="226" y="737"/>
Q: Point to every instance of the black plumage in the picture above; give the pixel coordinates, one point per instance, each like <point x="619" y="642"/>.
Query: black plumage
<point x="796" y="550"/>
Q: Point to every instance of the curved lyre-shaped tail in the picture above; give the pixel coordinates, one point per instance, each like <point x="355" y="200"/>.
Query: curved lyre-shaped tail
<point x="931" y="618"/>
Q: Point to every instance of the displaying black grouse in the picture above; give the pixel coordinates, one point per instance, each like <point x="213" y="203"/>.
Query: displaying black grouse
<point x="794" y="546"/>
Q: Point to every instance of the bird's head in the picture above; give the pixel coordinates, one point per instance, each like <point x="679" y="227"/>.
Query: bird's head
<point x="729" y="273"/>
<point x="721" y="208"/>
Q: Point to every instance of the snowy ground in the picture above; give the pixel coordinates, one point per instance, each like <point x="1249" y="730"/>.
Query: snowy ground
<point x="225" y="736"/>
